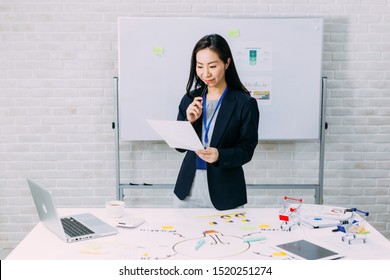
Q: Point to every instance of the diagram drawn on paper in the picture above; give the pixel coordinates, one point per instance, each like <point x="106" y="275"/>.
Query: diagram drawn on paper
<point x="233" y="235"/>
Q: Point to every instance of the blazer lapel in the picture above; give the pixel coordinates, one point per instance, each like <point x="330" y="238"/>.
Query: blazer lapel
<point x="223" y="117"/>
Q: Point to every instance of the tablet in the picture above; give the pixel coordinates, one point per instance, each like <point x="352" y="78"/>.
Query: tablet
<point x="303" y="249"/>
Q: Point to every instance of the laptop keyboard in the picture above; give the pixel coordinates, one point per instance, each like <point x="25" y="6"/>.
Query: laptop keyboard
<point x="74" y="228"/>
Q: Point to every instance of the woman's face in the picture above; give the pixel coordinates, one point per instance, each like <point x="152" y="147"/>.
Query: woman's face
<point x="210" y="68"/>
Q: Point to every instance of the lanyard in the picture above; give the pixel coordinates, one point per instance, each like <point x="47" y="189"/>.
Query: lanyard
<point x="207" y="125"/>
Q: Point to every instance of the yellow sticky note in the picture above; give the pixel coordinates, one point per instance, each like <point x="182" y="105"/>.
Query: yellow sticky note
<point x="264" y="226"/>
<point x="158" y="51"/>
<point x="167" y="227"/>
<point x="92" y="252"/>
<point x="93" y="248"/>
<point x="279" y="254"/>
<point x="234" y="33"/>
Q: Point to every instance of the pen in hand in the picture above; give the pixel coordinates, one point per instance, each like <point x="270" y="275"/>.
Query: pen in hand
<point x="194" y="110"/>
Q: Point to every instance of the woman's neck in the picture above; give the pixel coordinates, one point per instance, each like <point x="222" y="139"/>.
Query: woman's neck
<point x="214" y="93"/>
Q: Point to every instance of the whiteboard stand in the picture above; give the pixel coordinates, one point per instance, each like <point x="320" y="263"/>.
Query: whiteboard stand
<point x="324" y="126"/>
<point x="318" y="188"/>
<point x="115" y="126"/>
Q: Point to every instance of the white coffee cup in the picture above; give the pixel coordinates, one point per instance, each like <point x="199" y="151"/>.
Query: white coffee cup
<point x="115" y="208"/>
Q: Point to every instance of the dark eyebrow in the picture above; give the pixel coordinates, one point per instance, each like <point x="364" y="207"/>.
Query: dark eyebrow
<point x="207" y="63"/>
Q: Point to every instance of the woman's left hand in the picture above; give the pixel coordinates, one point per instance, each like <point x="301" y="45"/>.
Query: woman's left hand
<point x="209" y="155"/>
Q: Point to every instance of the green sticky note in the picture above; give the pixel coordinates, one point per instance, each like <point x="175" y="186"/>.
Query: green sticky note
<point x="234" y="33"/>
<point x="159" y="51"/>
<point x="248" y="227"/>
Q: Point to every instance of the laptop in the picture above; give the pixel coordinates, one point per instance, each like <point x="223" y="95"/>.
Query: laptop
<point x="73" y="228"/>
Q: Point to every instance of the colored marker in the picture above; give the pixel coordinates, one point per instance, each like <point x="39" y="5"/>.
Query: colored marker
<point x="199" y="244"/>
<point x="254" y="239"/>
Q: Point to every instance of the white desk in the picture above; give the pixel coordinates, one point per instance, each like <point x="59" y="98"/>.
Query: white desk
<point x="173" y="233"/>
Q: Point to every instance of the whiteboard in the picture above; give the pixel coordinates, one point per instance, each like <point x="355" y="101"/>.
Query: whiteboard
<point x="278" y="59"/>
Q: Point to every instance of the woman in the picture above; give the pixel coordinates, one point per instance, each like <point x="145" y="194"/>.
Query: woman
<point x="226" y="119"/>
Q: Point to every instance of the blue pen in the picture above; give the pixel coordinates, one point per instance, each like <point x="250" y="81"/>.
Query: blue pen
<point x="199" y="244"/>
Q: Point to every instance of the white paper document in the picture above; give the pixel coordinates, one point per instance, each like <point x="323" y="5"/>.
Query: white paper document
<point x="177" y="134"/>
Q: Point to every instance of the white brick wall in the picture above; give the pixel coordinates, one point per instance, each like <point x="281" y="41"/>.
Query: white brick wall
<point x="57" y="61"/>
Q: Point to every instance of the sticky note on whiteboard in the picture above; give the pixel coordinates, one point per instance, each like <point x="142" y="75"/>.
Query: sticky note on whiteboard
<point x="234" y="33"/>
<point x="158" y="51"/>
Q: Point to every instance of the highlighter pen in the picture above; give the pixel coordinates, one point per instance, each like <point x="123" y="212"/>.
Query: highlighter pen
<point x="254" y="239"/>
<point x="199" y="244"/>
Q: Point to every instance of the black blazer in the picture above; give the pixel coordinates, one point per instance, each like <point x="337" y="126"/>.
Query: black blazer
<point x="235" y="136"/>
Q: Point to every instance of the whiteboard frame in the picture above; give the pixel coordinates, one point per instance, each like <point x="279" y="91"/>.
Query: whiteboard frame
<point x="318" y="188"/>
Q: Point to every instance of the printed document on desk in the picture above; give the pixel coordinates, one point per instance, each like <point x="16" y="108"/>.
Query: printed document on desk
<point x="177" y="134"/>
<point x="326" y="212"/>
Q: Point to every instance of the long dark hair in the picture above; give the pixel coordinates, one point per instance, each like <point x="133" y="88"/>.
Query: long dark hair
<point x="219" y="45"/>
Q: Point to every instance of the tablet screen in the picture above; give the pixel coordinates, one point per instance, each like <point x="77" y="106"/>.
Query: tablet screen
<point x="307" y="250"/>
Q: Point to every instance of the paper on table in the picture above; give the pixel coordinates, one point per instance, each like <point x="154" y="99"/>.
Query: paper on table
<point x="323" y="211"/>
<point x="177" y="134"/>
<point x="319" y="222"/>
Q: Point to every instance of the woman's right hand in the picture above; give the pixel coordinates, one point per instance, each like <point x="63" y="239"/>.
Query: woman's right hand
<point x="194" y="110"/>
